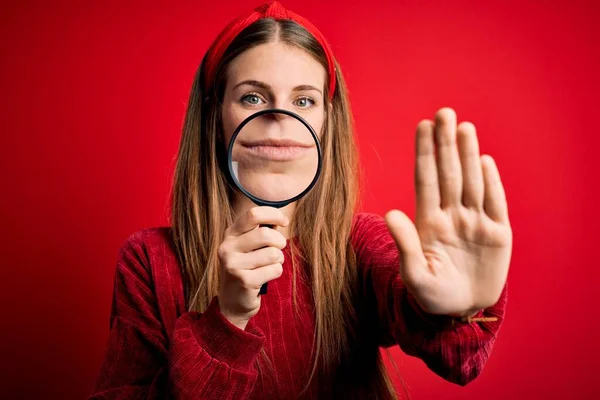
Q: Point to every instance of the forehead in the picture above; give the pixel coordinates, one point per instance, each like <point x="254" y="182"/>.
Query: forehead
<point x="279" y="65"/>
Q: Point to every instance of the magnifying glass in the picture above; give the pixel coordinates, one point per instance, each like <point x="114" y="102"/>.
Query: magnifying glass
<point x="274" y="158"/>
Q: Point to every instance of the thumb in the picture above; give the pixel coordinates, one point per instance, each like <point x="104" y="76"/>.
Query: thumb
<point x="412" y="260"/>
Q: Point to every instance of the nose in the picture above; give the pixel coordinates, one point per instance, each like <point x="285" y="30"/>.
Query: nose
<point x="282" y="103"/>
<point x="280" y="125"/>
<point x="277" y="116"/>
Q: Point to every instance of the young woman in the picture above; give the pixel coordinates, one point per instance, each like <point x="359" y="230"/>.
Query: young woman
<point x="187" y="319"/>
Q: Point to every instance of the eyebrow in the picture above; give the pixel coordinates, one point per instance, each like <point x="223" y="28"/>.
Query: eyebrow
<point x="265" y="86"/>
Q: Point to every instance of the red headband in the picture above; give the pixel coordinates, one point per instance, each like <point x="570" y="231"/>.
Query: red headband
<point x="272" y="10"/>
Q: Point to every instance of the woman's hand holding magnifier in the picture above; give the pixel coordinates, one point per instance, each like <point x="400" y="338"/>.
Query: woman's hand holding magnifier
<point x="250" y="255"/>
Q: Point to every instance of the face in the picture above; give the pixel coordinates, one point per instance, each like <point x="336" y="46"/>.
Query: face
<point x="275" y="155"/>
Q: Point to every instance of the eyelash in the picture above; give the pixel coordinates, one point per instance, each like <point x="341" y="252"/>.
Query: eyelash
<point x="307" y="98"/>
<point x="244" y="97"/>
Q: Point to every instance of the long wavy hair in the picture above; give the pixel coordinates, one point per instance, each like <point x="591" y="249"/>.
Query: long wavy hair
<point x="201" y="210"/>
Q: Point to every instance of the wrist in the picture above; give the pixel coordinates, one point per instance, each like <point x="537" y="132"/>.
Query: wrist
<point x="233" y="318"/>
<point x="465" y="314"/>
<point x="472" y="316"/>
<point x="240" y="323"/>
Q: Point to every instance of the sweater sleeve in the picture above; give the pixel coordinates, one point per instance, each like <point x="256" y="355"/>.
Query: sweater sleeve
<point x="455" y="351"/>
<point x="205" y="356"/>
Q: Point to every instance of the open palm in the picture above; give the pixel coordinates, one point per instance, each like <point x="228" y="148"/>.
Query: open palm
<point x="455" y="257"/>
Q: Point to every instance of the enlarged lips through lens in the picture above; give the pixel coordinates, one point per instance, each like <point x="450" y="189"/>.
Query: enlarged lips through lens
<point x="277" y="149"/>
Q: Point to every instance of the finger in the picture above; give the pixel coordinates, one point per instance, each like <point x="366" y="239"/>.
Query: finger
<point x="258" y="238"/>
<point x="259" y="258"/>
<point x="495" y="198"/>
<point x="470" y="161"/>
<point x="412" y="263"/>
<point x="254" y="279"/>
<point x="257" y="216"/>
<point x="426" y="179"/>
<point x="448" y="161"/>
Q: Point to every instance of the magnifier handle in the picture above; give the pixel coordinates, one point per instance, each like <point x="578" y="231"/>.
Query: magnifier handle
<point x="263" y="288"/>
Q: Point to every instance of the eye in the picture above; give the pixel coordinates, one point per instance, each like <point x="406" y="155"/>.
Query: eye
<point x="252" y="99"/>
<point x="304" y="102"/>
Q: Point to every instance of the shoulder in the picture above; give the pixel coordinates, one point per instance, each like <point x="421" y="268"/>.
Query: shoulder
<point x="370" y="234"/>
<point x="365" y="220"/>
<point x="147" y="251"/>
<point x="368" y="225"/>
<point x="148" y="280"/>
<point x="148" y="240"/>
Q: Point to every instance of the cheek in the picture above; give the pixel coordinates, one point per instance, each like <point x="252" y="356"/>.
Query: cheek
<point x="228" y="122"/>
<point x="232" y="115"/>
<point x="318" y="124"/>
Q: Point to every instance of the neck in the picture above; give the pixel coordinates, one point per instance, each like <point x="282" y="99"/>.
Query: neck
<point x="243" y="204"/>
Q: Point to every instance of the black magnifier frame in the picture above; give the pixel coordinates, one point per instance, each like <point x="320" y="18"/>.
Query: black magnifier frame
<point x="258" y="201"/>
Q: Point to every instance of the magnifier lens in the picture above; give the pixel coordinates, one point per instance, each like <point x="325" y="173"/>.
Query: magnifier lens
<point x="274" y="157"/>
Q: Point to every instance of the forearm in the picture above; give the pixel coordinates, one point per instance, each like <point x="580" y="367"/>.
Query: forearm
<point x="212" y="358"/>
<point x="207" y="358"/>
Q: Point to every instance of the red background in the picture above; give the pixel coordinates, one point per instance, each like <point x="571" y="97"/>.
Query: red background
<point x="92" y="100"/>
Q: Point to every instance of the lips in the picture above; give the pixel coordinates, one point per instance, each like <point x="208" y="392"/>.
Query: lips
<point x="275" y="143"/>
<point x="277" y="149"/>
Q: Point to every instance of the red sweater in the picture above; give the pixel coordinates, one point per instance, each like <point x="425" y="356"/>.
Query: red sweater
<point x="157" y="348"/>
